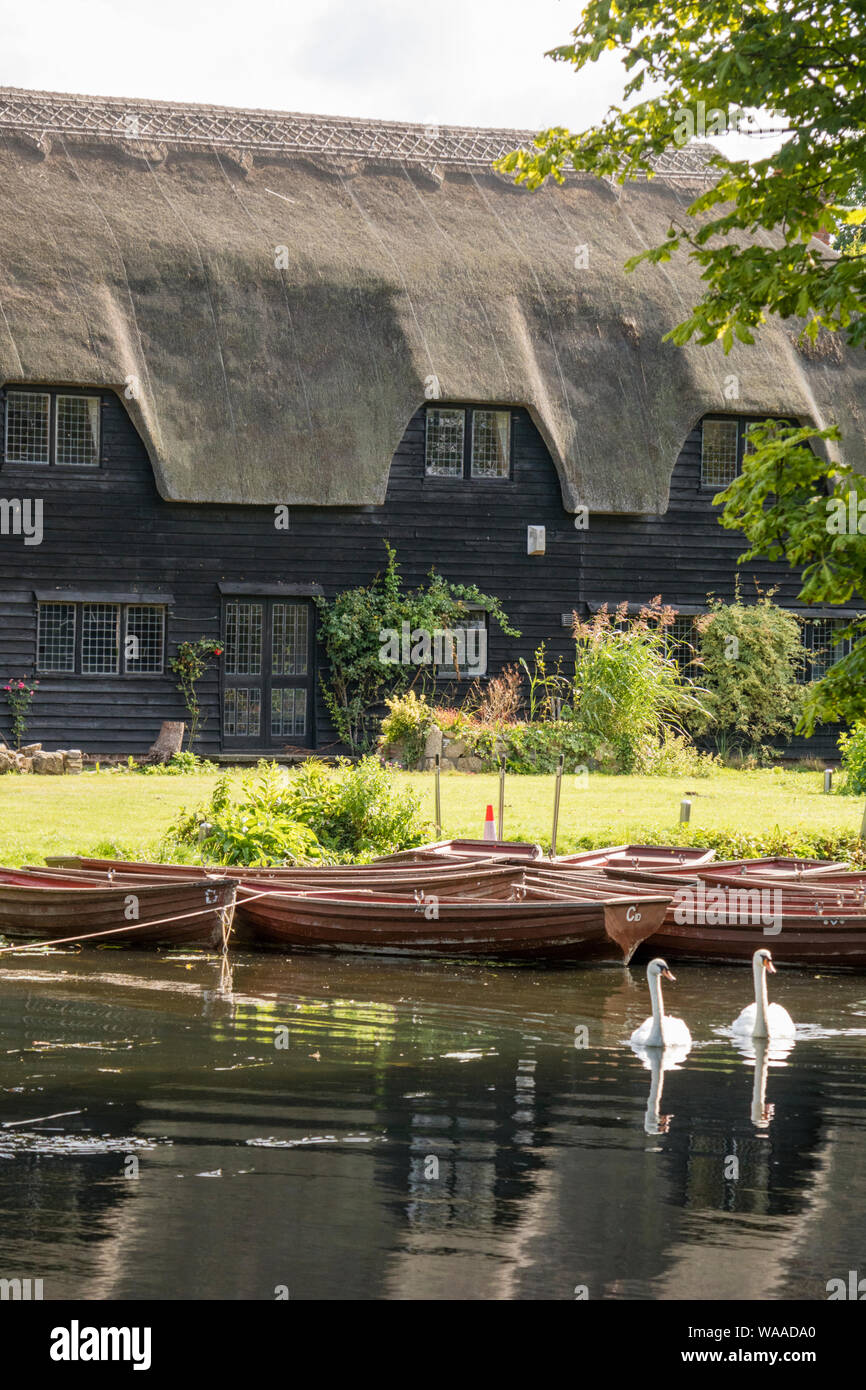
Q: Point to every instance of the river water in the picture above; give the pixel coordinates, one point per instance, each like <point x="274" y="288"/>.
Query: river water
<point x="325" y="1128"/>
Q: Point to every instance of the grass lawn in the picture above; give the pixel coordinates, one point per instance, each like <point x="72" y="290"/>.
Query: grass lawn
<point x="106" y="813"/>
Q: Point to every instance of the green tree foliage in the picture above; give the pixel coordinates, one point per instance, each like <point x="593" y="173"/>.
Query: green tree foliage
<point x="792" y="505"/>
<point x="351" y="628"/>
<point x="853" y="749"/>
<point x="749" y="657"/>
<point x="721" y="62"/>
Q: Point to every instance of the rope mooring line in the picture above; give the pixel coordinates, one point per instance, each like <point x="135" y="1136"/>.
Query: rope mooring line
<point x="136" y="926"/>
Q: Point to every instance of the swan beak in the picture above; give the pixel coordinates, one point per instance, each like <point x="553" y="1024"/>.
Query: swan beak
<point x="666" y="975"/>
<point x="770" y="966"/>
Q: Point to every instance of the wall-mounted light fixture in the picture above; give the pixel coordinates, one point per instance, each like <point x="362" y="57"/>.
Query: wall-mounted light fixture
<point x="535" y="540"/>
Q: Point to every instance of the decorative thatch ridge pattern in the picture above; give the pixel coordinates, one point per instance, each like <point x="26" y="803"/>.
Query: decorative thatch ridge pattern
<point x="274" y="296"/>
<point x="178" y="124"/>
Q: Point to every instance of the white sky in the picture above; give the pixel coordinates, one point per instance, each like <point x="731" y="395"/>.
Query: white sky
<point x="457" y="62"/>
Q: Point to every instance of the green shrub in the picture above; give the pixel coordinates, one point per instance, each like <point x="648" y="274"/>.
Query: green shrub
<point x="313" y="815"/>
<point x="675" y="756"/>
<point x="627" y="690"/>
<point x="407" y="723"/>
<point x="840" y="845"/>
<point x="853" y="746"/>
<point x="749" y="656"/>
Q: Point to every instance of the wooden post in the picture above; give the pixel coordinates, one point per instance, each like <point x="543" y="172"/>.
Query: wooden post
<point x="863" y="826"/>
<point x="499" y="834"/>
<point x="828" y="779"/>
<point x="685" y="811"/>
<point x="557" y="791"/>
<point x="438" y="800"/>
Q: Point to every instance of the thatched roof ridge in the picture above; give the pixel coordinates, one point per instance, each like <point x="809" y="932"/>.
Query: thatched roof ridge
<point x="275" y="295"/>
<point x="187" y="125"/>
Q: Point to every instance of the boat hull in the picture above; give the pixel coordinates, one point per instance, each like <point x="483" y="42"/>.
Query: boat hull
<point x="134" y="913"/>
<point x="543" y="930"/>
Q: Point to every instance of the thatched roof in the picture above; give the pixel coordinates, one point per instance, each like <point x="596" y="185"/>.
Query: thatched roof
<point x="282" y="291"/>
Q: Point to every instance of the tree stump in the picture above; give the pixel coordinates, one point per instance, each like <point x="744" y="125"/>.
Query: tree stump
<point x="169" y="742"/>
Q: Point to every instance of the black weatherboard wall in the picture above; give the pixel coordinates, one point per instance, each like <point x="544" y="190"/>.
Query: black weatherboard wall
<point x="108" y="531"/>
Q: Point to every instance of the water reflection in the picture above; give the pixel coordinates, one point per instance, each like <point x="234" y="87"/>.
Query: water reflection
<point x="361" y="1129"/>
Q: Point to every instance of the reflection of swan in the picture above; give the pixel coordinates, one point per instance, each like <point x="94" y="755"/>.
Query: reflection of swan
<point x="658" y="1061"/>
<point x="660" y="1030"/>
<point x="763" y="1053"/>
<point x="763" y="1020"/>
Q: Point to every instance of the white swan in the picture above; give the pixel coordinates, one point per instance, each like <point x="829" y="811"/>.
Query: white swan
<point x="660" y="1030"/>
<point x="762" y="1019"/>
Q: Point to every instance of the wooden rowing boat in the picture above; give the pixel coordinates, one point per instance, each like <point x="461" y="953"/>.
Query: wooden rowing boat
<point x="521" y="851"/>
<point x="650" y="857"/>
<point x="719" y="916"/>
<point x="450" y="879"/>
<point x="44" y="906"/>
<point x="539" y="925"/>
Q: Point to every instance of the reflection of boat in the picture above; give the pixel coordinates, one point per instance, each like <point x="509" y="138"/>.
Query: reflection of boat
<point x="566" y="926"/>
<point x="44" y="906"/>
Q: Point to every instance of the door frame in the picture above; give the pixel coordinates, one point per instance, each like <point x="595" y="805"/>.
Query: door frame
<point x="264" y="742"/>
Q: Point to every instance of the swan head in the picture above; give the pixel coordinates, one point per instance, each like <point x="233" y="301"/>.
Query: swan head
<point x="762" y="960"/>
<point x="659" y="967"/>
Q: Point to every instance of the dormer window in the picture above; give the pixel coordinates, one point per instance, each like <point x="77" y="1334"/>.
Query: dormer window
<point x="720" y="452"/>
<point x="724" y="442"/>
<point x="467" y="443"/>
<point x="52" y="427"/>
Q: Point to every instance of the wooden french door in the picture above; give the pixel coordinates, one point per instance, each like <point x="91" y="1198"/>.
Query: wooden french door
<point x="267" y="689"/>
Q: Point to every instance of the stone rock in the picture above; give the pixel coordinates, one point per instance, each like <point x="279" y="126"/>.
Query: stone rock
<point x="469" y="763"/>
<point x="24" y="764"/>
<point x="454" y="748"/>
<point x="73" y="760"/>
<point x="427" y="765"/>
<point x="47" y="764"/>
<point x="30" y="748"/>
<point x="433" y="743"/>
<point x="8" y="761"/>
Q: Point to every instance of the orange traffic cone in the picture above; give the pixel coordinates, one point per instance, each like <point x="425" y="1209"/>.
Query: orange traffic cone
<point x="489" y="825"/>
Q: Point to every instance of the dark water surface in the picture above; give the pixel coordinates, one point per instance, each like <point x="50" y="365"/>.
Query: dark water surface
<point x="314" y="1166"/>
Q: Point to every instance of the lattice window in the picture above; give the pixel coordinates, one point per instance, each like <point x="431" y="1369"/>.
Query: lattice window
<point x="77" y="431"/>
<point x="243" y="654"/>
<point x="144" y="641"/>
<point x="465" y="656"/>
<point x="491" y="431"/>
<point x="444" y="443"/>
<point x="242" y="711"/>
<point x="290" y="639"/>
<point x="27" y="427"/>
<point x="719" y="452"/>
<point x="55" y="643"/>
<point x="680" y="641"/>
<point x="288" y="713"/>
<point x="100" y="638"/>
<point x="822" y="646"/>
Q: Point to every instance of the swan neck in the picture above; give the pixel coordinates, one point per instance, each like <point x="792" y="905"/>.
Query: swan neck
<point x="657" y="1036"/>
<point x="761" y="1004"/>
